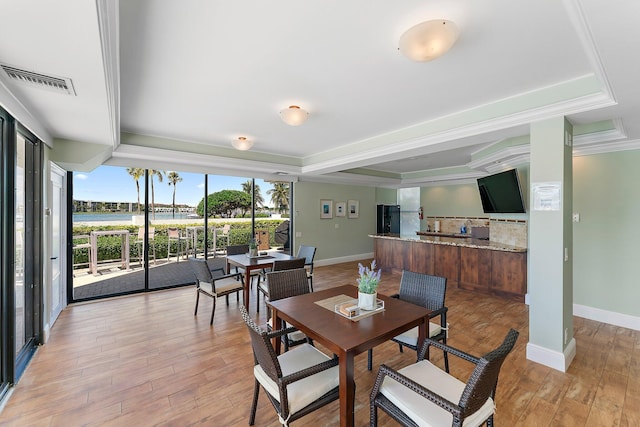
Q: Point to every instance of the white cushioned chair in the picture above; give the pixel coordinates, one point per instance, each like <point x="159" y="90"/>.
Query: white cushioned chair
<point x="426" y="291"/>
<point x="214" y="287"/>
<point x="424" y="395"/>
<point x="297" y="382"/>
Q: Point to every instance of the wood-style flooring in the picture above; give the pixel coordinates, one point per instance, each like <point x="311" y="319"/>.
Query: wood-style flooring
<point x="145" y="360"/>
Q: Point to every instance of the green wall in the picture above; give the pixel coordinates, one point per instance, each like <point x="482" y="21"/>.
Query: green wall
<point x="605" y="240"/>
<point x="451" y="200"/>
<point x="605" y="254"/>
<point x="386" y="196"/>
<point x="350" y="238"/>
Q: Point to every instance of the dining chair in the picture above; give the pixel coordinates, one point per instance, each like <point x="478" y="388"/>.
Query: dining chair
<point x="240" y="250"/>
<point x="285" y="284"/>
<point x="308" y="253"/>
<point x="426" y="291"/>
<point x="174" y="235"/>
<point x="423" y="394"/>
<point x="223" y="233"/>
<point x="213" y="287"/>
<point x="297" y="382"/>
<point x="278" y="265"/>
<point x="140" y="242"/>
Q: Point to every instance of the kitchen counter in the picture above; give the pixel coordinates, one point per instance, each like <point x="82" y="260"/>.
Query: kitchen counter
<point x="467" y="263"/>
<point x="462" y="240"/>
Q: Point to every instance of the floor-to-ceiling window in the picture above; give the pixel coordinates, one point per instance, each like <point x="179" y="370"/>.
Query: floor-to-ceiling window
<point x="134" y="228"/>
<point x="27" y="254"/>
<point x="20" y="249"/>
<point x="6" y="248"/>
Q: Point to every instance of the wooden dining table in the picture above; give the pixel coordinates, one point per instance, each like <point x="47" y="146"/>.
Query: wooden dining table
<point x="346" y="337"/>
<point x="250" y="264"/>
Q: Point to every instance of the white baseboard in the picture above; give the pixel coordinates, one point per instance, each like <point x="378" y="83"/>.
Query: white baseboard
<point x="604" y="316"/>
<point x="553" y="359"/>
<point x="339" y="260"/>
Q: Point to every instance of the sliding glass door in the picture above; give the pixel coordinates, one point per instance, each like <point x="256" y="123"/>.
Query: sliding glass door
<point x="27" y="259"/>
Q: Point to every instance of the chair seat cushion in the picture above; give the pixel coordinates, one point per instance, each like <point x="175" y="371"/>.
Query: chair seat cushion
<point x="424" y="412"/>
<point x="293" y="336"/>
<point x="410" y="337"/>
<point x="223" y="286"/>
<point x="301" y="393"/>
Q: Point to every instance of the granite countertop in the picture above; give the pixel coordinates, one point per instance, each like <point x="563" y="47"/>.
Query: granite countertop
<point x="451" y="240"/>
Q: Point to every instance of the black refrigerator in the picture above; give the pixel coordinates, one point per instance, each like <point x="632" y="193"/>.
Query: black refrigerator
<point x="388" y="219"/>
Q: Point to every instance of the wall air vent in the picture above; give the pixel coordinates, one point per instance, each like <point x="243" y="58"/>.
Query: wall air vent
<point x="55" y="84"/>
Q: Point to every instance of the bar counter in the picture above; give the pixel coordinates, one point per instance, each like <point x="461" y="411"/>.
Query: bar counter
<point x="472" y="264"/>
<point x="451" y="240"/>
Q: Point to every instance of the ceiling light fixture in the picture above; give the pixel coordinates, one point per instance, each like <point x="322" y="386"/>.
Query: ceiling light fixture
<point x="294" y="115"/>
<point x="242" y="144"/>
<point x="428" y="40"/>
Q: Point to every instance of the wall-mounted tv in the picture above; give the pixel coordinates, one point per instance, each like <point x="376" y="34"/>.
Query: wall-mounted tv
<point x="500" y="193"/>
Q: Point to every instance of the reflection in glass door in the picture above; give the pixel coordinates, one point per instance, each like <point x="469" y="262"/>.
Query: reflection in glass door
<point x="27" y="260"/>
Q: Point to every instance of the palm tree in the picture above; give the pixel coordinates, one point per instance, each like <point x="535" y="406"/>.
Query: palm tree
<point x="160" y="174"/>
<point x="280" y="196"/>
<point x="173" y="179"/>
<point x="246" y="187"/>
<point x="136" y="173"/>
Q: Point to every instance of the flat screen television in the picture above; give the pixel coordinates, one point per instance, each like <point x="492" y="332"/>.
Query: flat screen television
<point x="500" y="193"/>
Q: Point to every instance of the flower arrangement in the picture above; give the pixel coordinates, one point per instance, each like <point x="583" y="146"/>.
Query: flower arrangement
<point x="253" y="244"/>
<point x="369" y="278"/>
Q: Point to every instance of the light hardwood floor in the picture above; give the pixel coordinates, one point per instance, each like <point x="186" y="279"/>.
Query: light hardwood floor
<point x="146" y="360"/>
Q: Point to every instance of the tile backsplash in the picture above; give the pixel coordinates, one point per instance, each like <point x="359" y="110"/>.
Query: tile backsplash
<point x="507" y="231"/>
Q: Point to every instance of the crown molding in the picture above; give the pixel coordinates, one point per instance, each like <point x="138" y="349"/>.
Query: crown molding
<point x="139" y="156"/>
<point x="108" y="24"/>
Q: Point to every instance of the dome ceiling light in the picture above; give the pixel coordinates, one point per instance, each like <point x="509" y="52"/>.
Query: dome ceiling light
<point x="242" y="144"/>
<point x="294" y="115"/>
<point x="428" y="40"/>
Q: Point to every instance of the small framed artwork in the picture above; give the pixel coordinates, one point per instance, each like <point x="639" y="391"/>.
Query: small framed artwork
<point x="353" y="208"/>
<point x="341" y="209"/>
<point x="326" y="209"/>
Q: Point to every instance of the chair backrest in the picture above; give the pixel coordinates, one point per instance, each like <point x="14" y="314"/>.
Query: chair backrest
<point x="201" y="270"/>
<point x="237" y="249"/>
<point x="423" y="289"/>
<point x="152" y="233"/>
<point x="287" y="264"/>
<point x="287" y="283"/>
<point x="173" y="233"/>
<point x="308" y="253"/>
<point x="263" y="351"/>
<point x="484" y="378"/>
<point x="225" y="229"/>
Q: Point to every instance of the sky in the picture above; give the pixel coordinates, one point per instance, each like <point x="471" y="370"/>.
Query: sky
<point x="114" y="184"/>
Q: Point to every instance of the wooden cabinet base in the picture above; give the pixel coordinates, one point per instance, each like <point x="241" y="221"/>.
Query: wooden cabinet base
<point x="494" y="272"/>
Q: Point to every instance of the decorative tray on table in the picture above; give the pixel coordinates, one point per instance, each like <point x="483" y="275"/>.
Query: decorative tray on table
<point x="350" y="309"/>
<point x="260" y="255"/>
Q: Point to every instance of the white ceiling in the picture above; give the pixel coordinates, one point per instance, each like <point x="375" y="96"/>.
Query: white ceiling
<point x="170" y="84"/>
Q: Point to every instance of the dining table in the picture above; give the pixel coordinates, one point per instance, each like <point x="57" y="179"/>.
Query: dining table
<point x="347" y="337"/>
<point x="249" y="264"/>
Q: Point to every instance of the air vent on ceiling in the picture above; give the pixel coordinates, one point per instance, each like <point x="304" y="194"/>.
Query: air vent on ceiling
<point x="55" y="84"/>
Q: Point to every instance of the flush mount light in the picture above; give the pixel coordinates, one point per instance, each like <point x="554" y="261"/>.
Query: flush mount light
<point x="242" y="144"/>
<point x="428" y="40"/>
<point x="294" y="115"/>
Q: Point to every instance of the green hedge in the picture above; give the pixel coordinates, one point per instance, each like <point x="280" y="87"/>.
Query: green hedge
<point x="109" y="247"/>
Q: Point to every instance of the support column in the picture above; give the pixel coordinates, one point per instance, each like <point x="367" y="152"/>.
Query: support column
<point x="550" y="281"/>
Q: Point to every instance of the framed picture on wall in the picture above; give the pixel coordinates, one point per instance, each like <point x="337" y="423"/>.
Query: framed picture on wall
<point x="326" y="209"/>
<point x="353" y="208"/>
<point x="341" y="209"/>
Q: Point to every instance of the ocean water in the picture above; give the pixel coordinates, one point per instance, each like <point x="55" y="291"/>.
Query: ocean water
<point x="106" y="217"/>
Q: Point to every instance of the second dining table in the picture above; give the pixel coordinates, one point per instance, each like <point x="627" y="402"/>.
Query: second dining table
<point x="248" y="264"/>
<point x="346" y="337"/>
